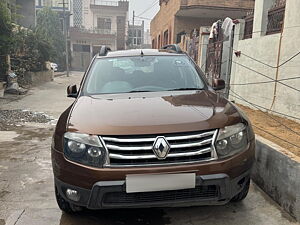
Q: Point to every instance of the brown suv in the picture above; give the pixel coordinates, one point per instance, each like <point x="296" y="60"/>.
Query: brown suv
<point x="146" y="130"/>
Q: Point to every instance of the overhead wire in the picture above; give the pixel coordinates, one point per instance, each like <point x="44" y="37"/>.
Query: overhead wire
<point x="264" y="75"/>
<point x="144" y="18"/>
<point x="265" y="82"/>
<point x="297" y="146"/>
<point x="147" y="9"/>
<point x="288" y="128"/>
<point x="273" y="111"/>
<point x="273" y="67"/>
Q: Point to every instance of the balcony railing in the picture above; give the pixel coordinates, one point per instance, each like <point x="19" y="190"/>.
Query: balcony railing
<point x="105" y="3"/>
<point x="276" y="19"/>
<point x="93" y="31"/>
<point x="279" y="3"/>
<point x="249" y="25"/>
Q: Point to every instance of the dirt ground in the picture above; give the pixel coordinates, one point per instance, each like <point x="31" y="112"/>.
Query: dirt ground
<point x="262" y="123"/>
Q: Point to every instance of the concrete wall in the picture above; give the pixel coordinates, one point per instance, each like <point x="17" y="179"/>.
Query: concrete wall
<point x="36" y="78"/>
<point x="1" y="89"/>
<point x="266" y="49"/>
<point x="280" y="180"/>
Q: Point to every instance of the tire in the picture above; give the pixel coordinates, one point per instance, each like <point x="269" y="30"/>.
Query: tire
<point x="243" y="194"/>
<point x="65" y="206"/>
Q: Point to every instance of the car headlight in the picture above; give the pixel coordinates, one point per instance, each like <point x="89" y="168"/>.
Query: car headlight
<point x="84" y="149"/>
<point x="232" y="140"/>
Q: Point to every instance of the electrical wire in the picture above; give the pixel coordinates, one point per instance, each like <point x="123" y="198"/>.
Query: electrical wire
<point x="265" y="82"/>
<point x="279" y="113"/>
<point x="246" y="67"/>
<point x="144" y="18"/>
<point x="273" y="67"/>
<point x="276" y="136"/>
<point x="288" y="128"/>
<point x="146" y="10"/>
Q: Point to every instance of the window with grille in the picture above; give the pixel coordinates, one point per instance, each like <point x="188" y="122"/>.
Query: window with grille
<point x="104" y="23"/>
<point x="77" y="8"/>
<point x="81" y="48"/>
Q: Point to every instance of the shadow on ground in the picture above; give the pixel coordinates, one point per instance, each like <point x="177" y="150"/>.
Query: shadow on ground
<point x="117" y="217"/>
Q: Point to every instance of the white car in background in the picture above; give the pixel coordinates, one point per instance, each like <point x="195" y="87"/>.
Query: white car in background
<point x="54" y="67"/>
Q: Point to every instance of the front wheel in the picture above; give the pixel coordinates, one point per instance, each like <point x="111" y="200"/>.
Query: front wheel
<point x="65" y="206"/>
<point x="243" y="194"/>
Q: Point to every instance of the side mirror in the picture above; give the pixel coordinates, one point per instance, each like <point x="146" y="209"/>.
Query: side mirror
<point x="72" y="91"/>
<point x="218" y="84"/>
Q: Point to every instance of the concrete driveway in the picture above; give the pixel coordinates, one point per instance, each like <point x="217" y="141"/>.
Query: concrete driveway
<point x="26" y="180"/>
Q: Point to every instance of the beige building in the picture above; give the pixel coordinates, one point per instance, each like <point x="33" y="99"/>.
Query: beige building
<point x="100" y="23"/>
<point x="177" y="17"/>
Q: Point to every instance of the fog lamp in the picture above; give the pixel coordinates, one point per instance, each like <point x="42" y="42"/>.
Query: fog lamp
<point x="73" y="195"/>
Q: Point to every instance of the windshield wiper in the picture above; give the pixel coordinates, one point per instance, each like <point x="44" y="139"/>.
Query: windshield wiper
<point x="138" y="91"/>
<point x="185" y="89"/>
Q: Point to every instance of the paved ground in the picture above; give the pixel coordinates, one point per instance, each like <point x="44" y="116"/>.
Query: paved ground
<point x="26" y="180"/>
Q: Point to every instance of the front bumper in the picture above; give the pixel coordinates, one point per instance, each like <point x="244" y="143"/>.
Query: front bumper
<point x="217" y="189"/>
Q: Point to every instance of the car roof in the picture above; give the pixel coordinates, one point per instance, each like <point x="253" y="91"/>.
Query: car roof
<point x="138" y="52"/>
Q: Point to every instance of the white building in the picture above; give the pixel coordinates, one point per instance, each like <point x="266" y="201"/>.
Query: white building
<point x="96" y="23"/>
<point x="135" y="35"/>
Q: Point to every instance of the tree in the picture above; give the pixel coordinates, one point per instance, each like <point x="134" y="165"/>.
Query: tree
<point x="49" y="28"/>
<point x="6" y="34"/>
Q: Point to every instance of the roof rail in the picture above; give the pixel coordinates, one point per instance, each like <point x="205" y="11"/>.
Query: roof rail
<point x="173" y="47"/>
<point x="104" y="50"/>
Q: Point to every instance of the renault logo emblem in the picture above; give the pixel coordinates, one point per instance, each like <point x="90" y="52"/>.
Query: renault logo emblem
<point x="161" y="148"/>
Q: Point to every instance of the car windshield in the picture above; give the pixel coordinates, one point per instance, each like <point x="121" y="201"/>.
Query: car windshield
<point x="142" y="74"/>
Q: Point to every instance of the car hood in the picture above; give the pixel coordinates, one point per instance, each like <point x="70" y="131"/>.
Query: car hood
<point x="151" y="113"/>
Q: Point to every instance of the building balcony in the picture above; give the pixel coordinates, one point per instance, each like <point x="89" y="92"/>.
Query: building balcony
<point x="214" y="9"/>
<point x="94" y="31"/>
<point x="102" y="4"/>
<point x="241" y="4"/>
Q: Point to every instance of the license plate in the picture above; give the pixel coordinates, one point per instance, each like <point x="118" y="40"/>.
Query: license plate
<point x="160" y="182"/>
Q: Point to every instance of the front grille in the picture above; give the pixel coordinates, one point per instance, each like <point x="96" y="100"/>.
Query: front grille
<point x="137" y="150"/>
<point x="198" y="193"/>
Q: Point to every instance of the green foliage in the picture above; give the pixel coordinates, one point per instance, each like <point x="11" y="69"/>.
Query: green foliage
<point x="49" y="27"/>
<point x="30" y="52"/>
<point x="5" y="35"/>
<point x="30" y="49"/>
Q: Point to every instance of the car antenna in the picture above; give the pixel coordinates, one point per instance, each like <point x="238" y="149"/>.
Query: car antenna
<point x="142" y="53"/>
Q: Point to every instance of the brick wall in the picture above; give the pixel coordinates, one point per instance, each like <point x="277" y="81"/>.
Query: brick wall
<point x="166" y="18"/>
<point x="188" y="24"/>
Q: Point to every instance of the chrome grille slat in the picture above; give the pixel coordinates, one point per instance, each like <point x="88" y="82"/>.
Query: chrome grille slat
<point x="171" y="155"/>
<point x="115" y="147"/>
<point x="128" y="140"/>
<point x="136" y="150"/>
<point x="187" y="137"/>
<point x="169" y="138"/>
<point x="192" y="144"/>
<point x="189" y="145"/>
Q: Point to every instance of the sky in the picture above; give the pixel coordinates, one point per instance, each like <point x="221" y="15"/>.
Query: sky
<point x="141" y="5"/>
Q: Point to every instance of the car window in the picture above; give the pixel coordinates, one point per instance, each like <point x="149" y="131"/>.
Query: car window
<point x="142" y="73"/>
